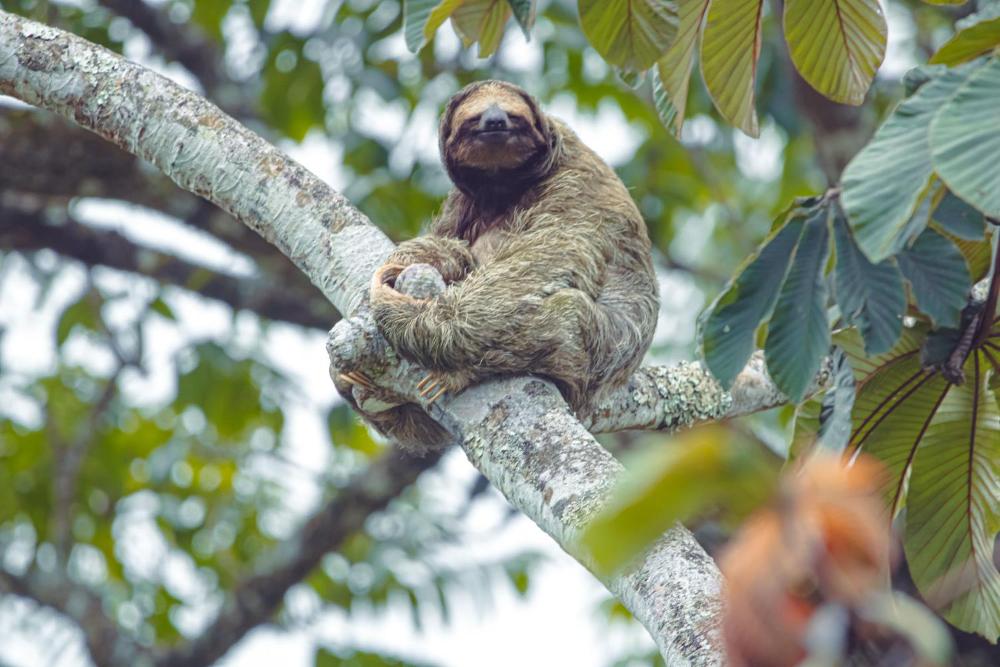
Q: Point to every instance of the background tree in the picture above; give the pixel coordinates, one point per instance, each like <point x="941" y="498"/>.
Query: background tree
<point x="81" y="451"/>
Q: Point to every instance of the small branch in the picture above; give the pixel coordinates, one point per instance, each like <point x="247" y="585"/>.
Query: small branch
<point x="66" y="479"/>
<point x="20" y="230"/>
<point x="109" y="644"/>
<point x="255" y="599"/>
<point x="670" y="398"/>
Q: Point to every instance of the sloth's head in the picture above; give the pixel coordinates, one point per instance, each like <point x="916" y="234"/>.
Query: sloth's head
<point x="493" y="133"/>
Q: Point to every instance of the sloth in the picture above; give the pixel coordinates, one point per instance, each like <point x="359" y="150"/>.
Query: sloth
<point x="545" y="258"/>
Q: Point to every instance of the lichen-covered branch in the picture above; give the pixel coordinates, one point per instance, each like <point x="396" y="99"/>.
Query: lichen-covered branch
<point x="669" y="398"/>
<point x="517" y="431"/>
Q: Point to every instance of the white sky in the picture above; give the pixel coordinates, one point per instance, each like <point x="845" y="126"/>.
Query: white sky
<point x="558" y="623"/>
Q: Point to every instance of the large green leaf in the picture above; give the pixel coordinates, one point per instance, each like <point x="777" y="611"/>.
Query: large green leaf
<point x="730" y="49"/>
<point x="878" y="207"/>
<point x="422" y="18"/>
<point x="938" y="277"/>
<point x="674" y="68"/>
<point x="631" y="34"/>
<point x="960" y="219"/>
<point x="668" y="114"/>
<point x="953" y="506"/>
<point x="977" y="34"/>
<point x="837" y="45"/>
<point x="481" y="21"/>
<point x="871" y="296"/>
<point x="965" y="140"/>
<point x="727" y="336"/>
<point x="798" y="335"/>
<point x="940" y="444"/>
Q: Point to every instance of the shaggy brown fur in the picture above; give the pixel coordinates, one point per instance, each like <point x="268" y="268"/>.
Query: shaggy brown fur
<point x="545" y="255"/>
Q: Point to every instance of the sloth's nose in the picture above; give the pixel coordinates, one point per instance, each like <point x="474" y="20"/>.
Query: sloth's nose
<point x="494" y="118"/>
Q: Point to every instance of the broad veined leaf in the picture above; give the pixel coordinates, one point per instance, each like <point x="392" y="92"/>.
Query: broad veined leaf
<point x="481" y="21"/>
<point x="674" y="68"/>
<point x="524" y="14"/>
<point x="938" y="277"/>
<point x="871" y="296"/>
<point x="631" y="34"/>
<point x="960" y="219"/>
<point x="837" y="45"/>
<point x="965" y="140"/>
<point x="798" y="334"/>
<point x="727" y="336"/>
<point x="953" y="505"/>
<point x="877" y="207"/>
<point x="422" y="18"/>
<point x="976" y="35"/>
<point x="730" y="49"/>
<point x="894" y="405"/>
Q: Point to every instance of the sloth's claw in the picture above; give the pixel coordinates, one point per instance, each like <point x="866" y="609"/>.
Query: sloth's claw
<point x="357" y="378"/>
<point x="439" y="394"/>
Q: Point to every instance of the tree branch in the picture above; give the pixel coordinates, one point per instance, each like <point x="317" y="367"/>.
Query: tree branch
<point x="518" y="432"/>
<point x="255" y="599"/>
<point x="21" y="230"/>
<point x="109" y="644"/>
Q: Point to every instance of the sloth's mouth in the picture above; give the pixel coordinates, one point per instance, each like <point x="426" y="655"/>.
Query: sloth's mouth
<point x="494" y="136"/>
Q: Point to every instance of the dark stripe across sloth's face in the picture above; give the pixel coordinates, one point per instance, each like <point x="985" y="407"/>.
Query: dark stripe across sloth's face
<point x="495" y="141"/>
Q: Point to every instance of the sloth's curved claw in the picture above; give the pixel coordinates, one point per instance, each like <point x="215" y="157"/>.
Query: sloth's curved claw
<point x="357" y="378"/>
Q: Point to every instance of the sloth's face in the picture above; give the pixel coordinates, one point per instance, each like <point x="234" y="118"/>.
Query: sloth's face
<point x="494" y="128"/>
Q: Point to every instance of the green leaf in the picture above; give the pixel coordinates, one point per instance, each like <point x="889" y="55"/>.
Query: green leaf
<point x="674" y="69"/>
<point x="957" y="217"/>
<point x="871" y="296"/>
<point x="835" y="413"/>
<point x="727" y="336"/>
<point x="422" y="18"/>
<point x="798" y="335"/>
<point x="159" y="306"/>
<point x="663" y="485"/>
<point x="524" y="14"/>
<point x="877" y="207"/>
<point x="730" y="49"/>
<point x="356" y="658"/>
<point x="953" y="514"/>
<point x="481" y="21"/>
<point x="631" y="34"/>
<point x="895" y="403"/>
<point x="85" y="314"/>
<point x="938" y="277"/>
<point x="965" y="140"/>
<point x="977" y="35"/>
<point x="837" y="45"/>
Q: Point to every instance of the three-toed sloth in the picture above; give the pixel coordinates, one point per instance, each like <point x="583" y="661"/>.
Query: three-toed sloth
<point x="545" y="257"/>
